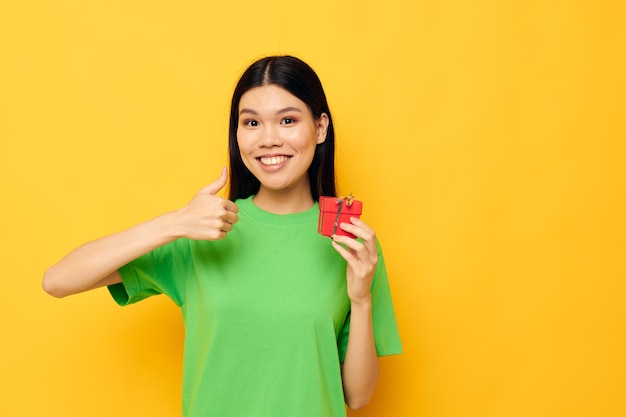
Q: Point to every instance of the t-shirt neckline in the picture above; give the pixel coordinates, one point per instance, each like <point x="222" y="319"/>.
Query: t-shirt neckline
<point x="248" y="206"/>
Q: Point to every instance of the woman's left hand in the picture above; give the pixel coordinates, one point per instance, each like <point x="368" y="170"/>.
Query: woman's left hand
<point x="362" y="258"/>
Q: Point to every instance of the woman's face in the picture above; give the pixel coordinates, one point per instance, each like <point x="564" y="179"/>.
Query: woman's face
<point x="277" y="137"/>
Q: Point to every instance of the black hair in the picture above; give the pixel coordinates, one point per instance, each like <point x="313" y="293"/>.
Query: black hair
<point x="299" y="79"/>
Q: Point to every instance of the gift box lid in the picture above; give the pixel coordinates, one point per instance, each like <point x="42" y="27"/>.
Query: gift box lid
<point x="350" y="206"/>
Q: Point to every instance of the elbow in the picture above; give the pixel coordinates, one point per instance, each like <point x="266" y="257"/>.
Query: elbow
<point x="358" y="403"/>
<point x="357" y="396"/>
<point x="358" y="400"/>
<point x="50" y="284"/>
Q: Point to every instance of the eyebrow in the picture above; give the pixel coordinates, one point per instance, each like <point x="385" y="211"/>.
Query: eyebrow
<point x="281" y="111"/>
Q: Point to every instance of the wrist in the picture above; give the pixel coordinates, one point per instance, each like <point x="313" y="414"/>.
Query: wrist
<point x="364" y="304"/>
<point x="170" y="226"/>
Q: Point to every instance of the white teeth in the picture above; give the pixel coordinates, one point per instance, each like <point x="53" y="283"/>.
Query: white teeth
<point x="273" y="160"/>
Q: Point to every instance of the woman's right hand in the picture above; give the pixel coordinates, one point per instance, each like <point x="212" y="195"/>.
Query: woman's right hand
<point x="208" y="216"/>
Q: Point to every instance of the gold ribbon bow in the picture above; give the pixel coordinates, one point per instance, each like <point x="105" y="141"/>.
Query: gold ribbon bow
<point x="349" y="199"/>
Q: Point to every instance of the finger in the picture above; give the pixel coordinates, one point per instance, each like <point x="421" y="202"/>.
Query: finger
<point x="368" y="235"/>
<point x="346" y="254"/>
<point x="353" y="250"/>
<point x="219" y="235"/>
<point x="358" y="222"/>
<point x="359" y="229"/>
<point x="349" y="242"/>
<point x="218" y="184"/>
<point x="226" y="227"/>
<point x="230" y="217"/>
<point x="231" y="207"/>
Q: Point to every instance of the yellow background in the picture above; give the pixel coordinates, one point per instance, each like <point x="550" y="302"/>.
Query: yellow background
<point x="487" y="139"/>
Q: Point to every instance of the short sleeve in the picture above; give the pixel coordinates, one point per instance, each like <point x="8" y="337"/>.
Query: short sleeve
<point x="161" y="271"/>
<point x="386" y="335"/>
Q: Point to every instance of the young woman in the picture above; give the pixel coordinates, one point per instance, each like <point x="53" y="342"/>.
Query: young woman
<point x="279" y="320"/>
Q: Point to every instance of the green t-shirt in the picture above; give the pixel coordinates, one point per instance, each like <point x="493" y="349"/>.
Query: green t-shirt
<point x="266" y="315"/>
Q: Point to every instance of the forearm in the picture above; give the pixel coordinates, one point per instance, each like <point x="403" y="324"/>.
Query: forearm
<point x="360" y="368"/>
<point x="88" y="265"/>
<point x="206" y="217"/>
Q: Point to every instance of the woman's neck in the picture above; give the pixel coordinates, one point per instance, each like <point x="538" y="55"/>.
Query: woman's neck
<point x="284" y="201"/>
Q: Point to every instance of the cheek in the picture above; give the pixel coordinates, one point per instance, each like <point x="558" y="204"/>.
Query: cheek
<point x="245" y="159"/>
<point x="311" y="141"/>
<point x="243" y="143"/>
<point x="244" y="139"/>
<point x="303" y="138"/>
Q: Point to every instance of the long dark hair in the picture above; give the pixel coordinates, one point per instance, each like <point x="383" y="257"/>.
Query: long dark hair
<point x="299" y="79"/>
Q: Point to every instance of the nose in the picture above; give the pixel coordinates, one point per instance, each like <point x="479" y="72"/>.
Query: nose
<point x="270" y="137"/>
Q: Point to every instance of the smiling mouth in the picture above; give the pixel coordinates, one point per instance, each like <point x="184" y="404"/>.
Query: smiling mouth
<point x="273" y="160"/>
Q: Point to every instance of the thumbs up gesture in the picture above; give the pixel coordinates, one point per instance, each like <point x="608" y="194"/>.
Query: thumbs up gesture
<point x="208" y="216"/>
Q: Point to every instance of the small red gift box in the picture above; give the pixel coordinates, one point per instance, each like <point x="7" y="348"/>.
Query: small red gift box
<point x="336" y="210"/>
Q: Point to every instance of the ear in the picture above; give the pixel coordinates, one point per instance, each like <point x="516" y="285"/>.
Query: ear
<point x="322" y="127"/>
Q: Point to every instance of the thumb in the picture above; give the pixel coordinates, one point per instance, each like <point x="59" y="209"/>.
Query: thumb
<point x="218" y="184"/>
